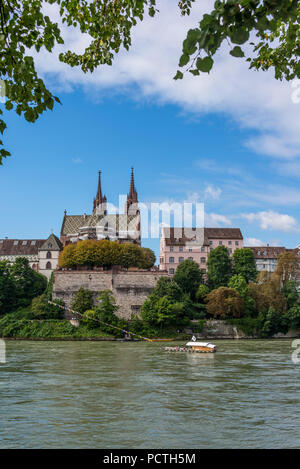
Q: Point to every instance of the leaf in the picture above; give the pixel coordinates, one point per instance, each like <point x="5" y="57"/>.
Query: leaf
<point x="204" y="65"/>
<point x="178" y="76"/>
<point x="239" y="36"/>
<point x="237" y="52"/>
<point x="184" y="60"/>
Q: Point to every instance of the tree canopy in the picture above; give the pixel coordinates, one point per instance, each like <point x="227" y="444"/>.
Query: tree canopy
<point x="26" y="29"/>
<point x="219" y="267"/>
<point x="244" y="264"/>
<point x="106" y="253"/>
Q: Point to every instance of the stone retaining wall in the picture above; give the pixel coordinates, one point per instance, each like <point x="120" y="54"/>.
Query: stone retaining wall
<point x="130" y="288"/>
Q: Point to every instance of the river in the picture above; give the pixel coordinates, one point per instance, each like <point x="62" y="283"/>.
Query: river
<point x="136" y="395"/>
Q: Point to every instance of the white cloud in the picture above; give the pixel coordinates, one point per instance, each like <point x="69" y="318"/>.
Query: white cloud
<point x="270" y="220"/>
<point x="253" y="99"/>
<point x="77" y="160"/>
<point x="214" y="220"/>
<point x="254" y="242"/>
<point x="211" y="192"/>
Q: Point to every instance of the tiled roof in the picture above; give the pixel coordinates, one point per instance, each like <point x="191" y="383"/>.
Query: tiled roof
<point x="182" y="236"/>
<point x="267" y="252"/>
<point x="122" y="222"/>
<point x="20" y="247"/>
<point x="51" y="244"/>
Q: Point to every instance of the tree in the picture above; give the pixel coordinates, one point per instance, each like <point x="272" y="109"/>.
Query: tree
<point x="27" y="29"/>
<point x="28" y="282"/>
<point x="219" y="267"/>
<point x="41" y="308"/>
<point x="202" y="292"/>
<point x="148" y="258"/>
<point x="238" y="283"/>
<point x="291" y="294"/>
<point x="131" y="255"/>
<point x="103" y="314"/>
<point x="224" y="303"/>
<point x="169" y="288"/>
<point x="188" y="276"/>
<point x="266" y="295"/>
<point x="244" y="264"/>
<point x="83" y="301"/>
<point x="67" y="257"/>
<point x="287" y="268"/>
<point x="7" y="289"/>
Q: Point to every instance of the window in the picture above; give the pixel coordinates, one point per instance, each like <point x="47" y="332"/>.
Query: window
<point x="180" y="249"/>
<point x="229" y="243"/>
<point x="236" y="243"/>
<point x="48" y="255"/>
<point x="171" y="248"/>
<point x="33" y="243"/>
<point x="50" y="245"/>
<point x="48" y="265"/>
<point x="202" y="249"/>
<point x="171" y="259"/>
<point x="24" y="243"/>
<point x="16" y="243"/>
<point x="181" y="259"/>
<point x="1" y="241"/>
<point x="190" y="258"/>
<point x="171" y="271"/>
<point x="190" y="249"/>
<point x="203" y="260"/>
<point x="230" y="250"/>
<point x="220" y="243"/>
<point x="210" y="243"/>
<point x="161" y="260"/>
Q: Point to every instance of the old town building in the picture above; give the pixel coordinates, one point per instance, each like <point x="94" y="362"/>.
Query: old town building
<point x="179" y="244"/>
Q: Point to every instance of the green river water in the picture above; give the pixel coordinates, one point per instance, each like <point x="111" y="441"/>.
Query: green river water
<point x="136" y="395"/>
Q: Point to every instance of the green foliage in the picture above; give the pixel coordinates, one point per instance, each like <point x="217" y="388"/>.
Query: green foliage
<point x="291" y="293"/>
<point x="105" y="254"/>
<point x="274" y="25"/>
<point x="49" y="288"/>
<point x="7" y="288"/>
<point x="104" y="312"/>
<point x="168" y="287"/>
<point x="272" y="322"/>
<point x="188" y="276"/>
<point x="293" y="317"/>
<point x="41" y="308"/>
<point x="250" y="326"/>
<point x="28" y="283"/>
<point x="19" y="284"/>
<point x="83" y="300"/>
<point x="244" y="264"/>
<point x="219" y="267"/>
<point x="197" y="327"/>
<point x="202" y="292"/>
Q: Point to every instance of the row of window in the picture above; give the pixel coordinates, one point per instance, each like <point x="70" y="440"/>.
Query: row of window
<point x="181" y="259"/>
<point x="203" y="248"/>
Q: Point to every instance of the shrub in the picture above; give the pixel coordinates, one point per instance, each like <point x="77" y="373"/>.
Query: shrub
<point x="83" y="300"/>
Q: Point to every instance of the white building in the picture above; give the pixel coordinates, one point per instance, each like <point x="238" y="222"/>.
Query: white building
<point x="42" y="254"/>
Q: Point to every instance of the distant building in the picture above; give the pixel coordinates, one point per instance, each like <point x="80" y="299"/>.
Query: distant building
<point x="266" y="257"/>
<point x="102" y="225"/>
<point x="178" y="244"/>
<point x="42" y="254"/>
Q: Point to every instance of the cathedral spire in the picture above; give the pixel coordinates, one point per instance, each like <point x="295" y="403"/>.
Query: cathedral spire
<point x="132" y="197"/>
<point x="100" y="200"/>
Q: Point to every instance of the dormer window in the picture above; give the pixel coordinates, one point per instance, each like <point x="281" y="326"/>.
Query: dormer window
<point x="49" y="245"/>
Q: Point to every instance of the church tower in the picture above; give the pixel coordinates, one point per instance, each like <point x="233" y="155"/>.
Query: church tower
<point x="100" y="202"/>
<point x="131" y="207"/>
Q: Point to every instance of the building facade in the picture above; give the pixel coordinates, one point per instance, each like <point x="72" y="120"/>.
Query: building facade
<point x="266" y="257"/>
<point x="42" y="254"/>
<point x="179" y="244"/>
<point x="102" y="225"/>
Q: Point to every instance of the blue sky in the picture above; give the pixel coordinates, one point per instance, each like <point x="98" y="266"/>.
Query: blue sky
<point x="234" y="146"/>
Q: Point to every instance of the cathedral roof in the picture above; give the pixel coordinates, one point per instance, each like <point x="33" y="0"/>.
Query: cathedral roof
<point x="121" y="222"/>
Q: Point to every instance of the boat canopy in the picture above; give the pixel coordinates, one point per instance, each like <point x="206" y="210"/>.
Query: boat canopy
<point x="200" y="344"/>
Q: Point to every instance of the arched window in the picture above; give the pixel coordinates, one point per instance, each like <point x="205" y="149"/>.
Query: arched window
<point x="48" y="265"/>
<point x="49" y="255"/>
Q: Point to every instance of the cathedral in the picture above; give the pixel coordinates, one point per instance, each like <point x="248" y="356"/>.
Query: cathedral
<point x="124" y="228"/>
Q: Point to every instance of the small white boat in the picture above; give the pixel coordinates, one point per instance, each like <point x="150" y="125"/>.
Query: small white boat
<point x="194" y="346"/>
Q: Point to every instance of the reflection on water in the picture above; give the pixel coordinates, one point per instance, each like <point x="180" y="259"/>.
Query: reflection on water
<point x="135" y="395"/>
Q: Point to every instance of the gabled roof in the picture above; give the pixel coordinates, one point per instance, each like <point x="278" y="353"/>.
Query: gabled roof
<point x="51" y="244"/>
<point x="20" y="247"/>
